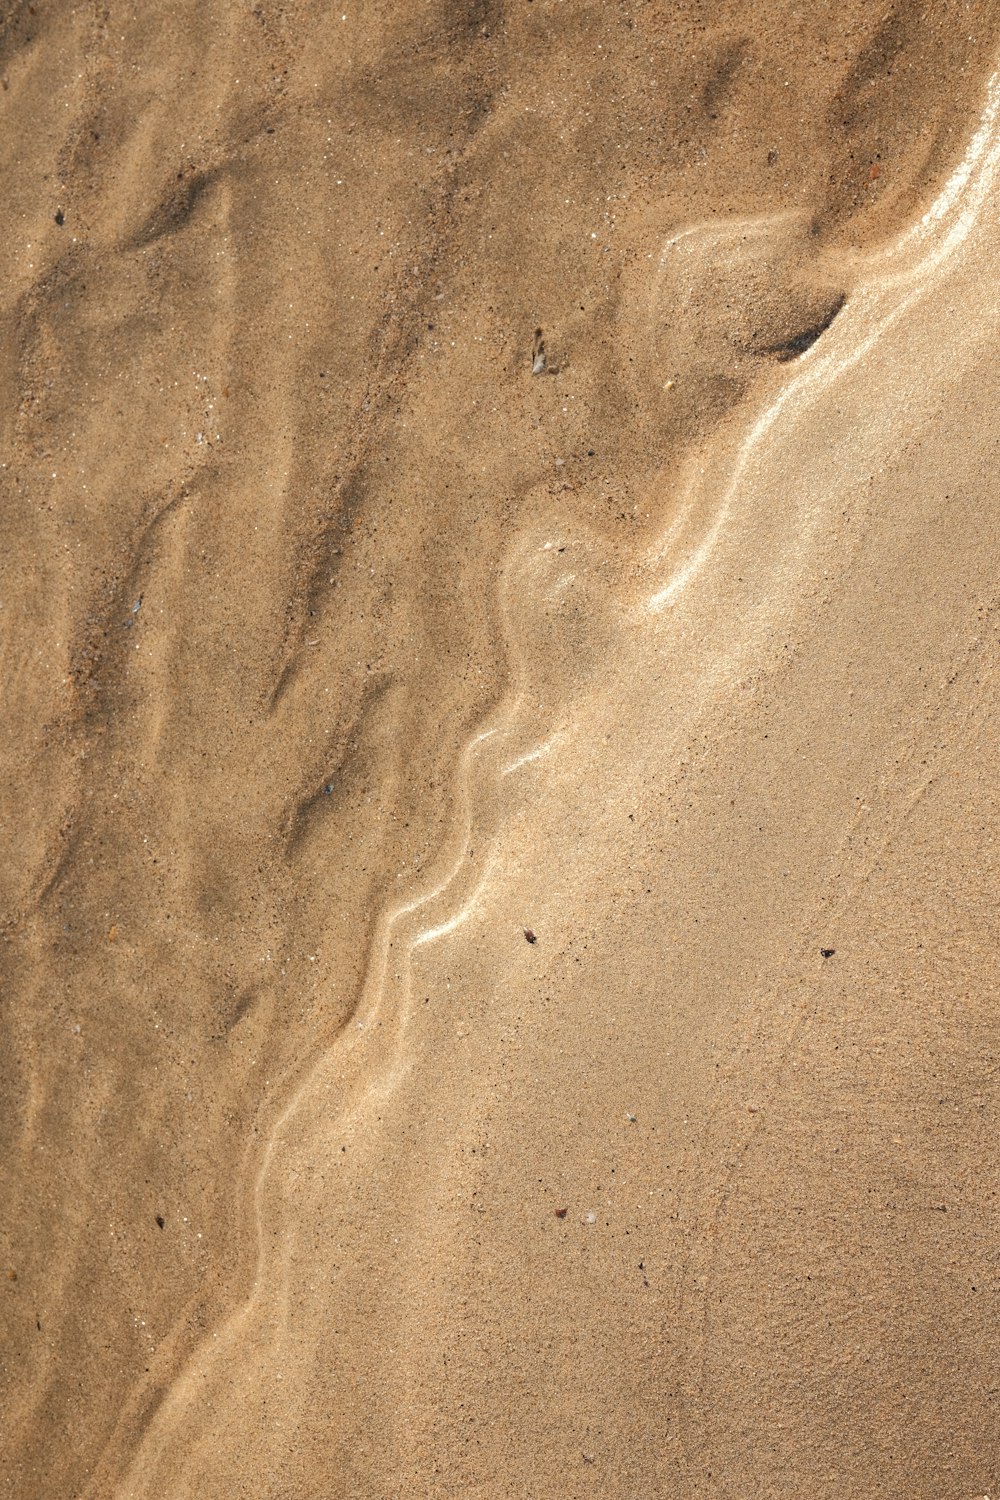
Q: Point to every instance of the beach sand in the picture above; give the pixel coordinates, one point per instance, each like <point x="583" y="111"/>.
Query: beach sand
<point x="499" y="630"/>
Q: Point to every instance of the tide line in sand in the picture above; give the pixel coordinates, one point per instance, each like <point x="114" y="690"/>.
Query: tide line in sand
<point x="382" y="1009"/>
<point x="367" y="1060"/>
<point x="891" y="280"/>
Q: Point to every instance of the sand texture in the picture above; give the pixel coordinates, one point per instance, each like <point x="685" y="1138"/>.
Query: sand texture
<point x="501" y="750"/>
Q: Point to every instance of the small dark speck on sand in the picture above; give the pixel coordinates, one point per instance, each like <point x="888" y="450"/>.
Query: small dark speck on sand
<point x="60" y="217"/>
<point x="827" y="952"/>
<point x="530" y="936"/>
<point x="561" y="1213"/>
<point x="160" y="1220"/>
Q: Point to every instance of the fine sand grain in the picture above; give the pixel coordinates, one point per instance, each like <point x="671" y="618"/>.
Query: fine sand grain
<point x="501" y="747"/>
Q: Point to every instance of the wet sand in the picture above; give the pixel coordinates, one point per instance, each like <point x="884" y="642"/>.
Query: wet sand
<point x="499" y="633"/>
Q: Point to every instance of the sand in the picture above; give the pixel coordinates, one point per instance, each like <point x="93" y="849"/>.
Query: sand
<point x="499" y="631"/>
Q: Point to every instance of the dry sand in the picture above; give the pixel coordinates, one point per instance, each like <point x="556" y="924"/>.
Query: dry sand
<point x="340" y="649"/>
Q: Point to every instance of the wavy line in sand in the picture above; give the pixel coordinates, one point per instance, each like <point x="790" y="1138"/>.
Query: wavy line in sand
<point x="368" y="1060"/>
<point x="894" y="278"/>
<point x="369" y="1056"/>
